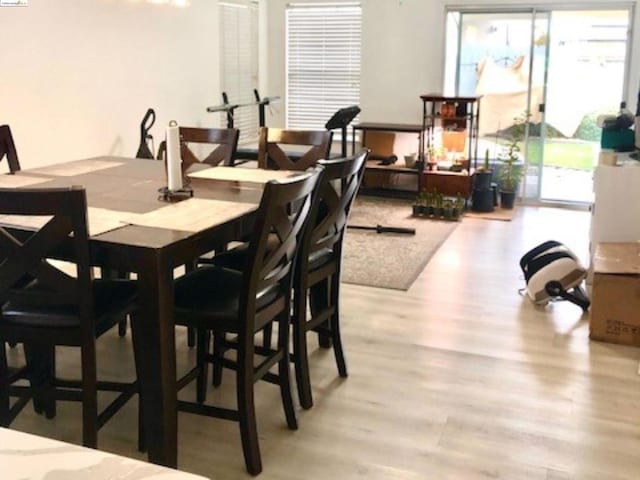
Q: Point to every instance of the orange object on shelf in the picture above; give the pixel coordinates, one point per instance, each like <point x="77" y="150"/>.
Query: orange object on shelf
<point x="454" y="141"/>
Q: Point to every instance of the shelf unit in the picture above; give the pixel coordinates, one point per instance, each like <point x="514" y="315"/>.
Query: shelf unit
<point x="461" y="113"/>
<point x="396" y="168"/>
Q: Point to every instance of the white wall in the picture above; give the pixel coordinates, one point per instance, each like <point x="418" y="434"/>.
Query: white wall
<point x="78" y="75"/>
<point x="403" y="53"/>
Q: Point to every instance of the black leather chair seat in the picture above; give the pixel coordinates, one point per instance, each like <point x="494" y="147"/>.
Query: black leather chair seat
<point x="210" y="297"/>
<point x="236" y="259"/>
<point x="110" y="298"/>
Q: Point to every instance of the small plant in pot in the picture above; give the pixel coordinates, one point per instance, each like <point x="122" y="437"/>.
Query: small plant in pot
<point x="510" y="173"/>
<point x="420" y="204"/>
<point x="484" y="174"/>
<point x="458" y="206"/>
<point x="447" y="209"/>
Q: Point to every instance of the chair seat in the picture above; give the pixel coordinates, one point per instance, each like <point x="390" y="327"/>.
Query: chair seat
<point x="111" y="297"/>
<point x="210" y="298"/>
<point x="236" y="258"/>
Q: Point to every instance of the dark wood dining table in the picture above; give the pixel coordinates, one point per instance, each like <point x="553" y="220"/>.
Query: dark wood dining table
<point x="131" y="185"/>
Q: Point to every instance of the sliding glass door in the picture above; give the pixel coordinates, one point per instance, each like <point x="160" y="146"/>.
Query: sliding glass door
<point x="544" y="75"/>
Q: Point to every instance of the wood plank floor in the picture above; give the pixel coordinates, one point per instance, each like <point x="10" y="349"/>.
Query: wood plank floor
<point x="458" y="378"/>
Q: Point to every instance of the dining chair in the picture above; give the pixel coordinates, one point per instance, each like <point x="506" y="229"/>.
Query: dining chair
<point x="8" y="149"/>
<point x="224" y="139"/>
<point x="242" y="304"/>
<point x="44" y="307"/>
<point x="317" y="277"/>
<point x="272" y="156"/>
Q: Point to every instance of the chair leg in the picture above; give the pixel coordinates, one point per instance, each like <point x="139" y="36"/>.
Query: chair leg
<point x="218" y="354"/>
<point x="122" y="327"/>
<point x="283" y="371"/>
<point x="318" y="301"/>
<point x="5" y="406"/>
<point x="300" y="355"/>
<point x="41" y="374"/>
<point x="89" y="396"/>
<point x="107" y="273"/>
<point x="191" y="332"/>
<point x="203" y="340"/>
<point x="267" y="335"/>
<point x="246" y="412"/>
<point x="191" y="337"/>
<point x="335" y="327"/>
<point x="142" y="441"/>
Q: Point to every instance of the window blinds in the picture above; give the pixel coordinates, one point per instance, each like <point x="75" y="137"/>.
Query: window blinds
<point x="323" y="61"/>
<point x="239" y="63"/>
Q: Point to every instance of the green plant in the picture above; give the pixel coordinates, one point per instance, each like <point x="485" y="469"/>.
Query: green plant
<point x="485" y="166"/>
<point x="510" y="173"/>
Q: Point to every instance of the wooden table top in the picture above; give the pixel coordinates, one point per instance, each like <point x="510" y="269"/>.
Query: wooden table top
<point x="129" y="186"/>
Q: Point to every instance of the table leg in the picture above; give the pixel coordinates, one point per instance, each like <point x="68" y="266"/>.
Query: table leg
<point x="154" y="342"/>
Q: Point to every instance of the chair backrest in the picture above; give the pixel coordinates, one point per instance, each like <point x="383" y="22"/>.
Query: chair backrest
<point x="8" y="148"/>
<point x="284" y="210"/>
<point x="224" y="139"/>
<point x="26" y="277"/>
<point x="337" y="190"/>
<point x="271" y="155"/>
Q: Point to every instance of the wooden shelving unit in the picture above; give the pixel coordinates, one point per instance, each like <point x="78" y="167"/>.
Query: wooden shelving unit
<point x="455" y="114"/>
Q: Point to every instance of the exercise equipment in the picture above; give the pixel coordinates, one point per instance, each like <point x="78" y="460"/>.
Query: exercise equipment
<point x="340" y="121"/>
<point x="145" y="126"/>
<point x="553" y="272"/>
<point x="383" y="229"/>
<point x="230" y="108"/>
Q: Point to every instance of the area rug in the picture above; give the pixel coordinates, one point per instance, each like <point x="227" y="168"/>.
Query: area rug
<point x="501" y="214"/>
<point x="389" y="260"/>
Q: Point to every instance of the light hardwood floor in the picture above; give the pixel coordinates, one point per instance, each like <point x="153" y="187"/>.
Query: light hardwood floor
<point x="458" y="378"/>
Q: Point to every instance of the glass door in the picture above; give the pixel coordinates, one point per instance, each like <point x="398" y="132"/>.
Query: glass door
<point x="586" y="78"/>
<point x="544" y="76"/>
<point x="502" y="56"/>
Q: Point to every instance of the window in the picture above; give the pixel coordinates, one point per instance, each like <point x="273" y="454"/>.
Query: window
<point x="323" y="61"/>
<point x="239" y="62"/>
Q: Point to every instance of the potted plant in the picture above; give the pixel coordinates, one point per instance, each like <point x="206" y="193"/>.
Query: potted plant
<point x="510" y="173"/>
<point x="417" y="205"/>
<point x="438" y="204"/>
<point x="447" y="209"/>
<point x="484" y="174"/>
<point x="458" y="206"/>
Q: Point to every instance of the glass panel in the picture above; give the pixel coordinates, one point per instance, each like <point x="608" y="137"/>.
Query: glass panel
<point x="495" y="60"/>
<point x="587" y="57"/>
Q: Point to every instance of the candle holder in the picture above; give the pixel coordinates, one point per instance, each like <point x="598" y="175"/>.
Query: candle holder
<point x="167" y="195"/>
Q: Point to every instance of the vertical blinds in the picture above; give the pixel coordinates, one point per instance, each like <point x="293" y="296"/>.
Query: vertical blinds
<point x="323" y="61"/>
<point x="239" y="63"/>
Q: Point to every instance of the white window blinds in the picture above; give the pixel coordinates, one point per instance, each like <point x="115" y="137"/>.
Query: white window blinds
<point x="323" y="61"/>
<point x="239" y="63"/>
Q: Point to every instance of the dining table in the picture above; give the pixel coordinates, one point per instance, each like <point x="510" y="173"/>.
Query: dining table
<point x="133" y="228"/>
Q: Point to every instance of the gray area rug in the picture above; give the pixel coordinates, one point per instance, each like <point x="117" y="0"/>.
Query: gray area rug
<point x="389" y="260"/>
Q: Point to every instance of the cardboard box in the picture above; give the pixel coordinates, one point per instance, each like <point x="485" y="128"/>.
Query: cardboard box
<point x="615" y="297"/>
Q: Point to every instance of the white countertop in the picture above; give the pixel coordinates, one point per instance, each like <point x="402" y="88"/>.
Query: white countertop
<point x="29" y="457"/>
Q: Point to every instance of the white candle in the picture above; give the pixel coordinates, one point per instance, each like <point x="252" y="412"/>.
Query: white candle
<point x="174" y="161"/>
